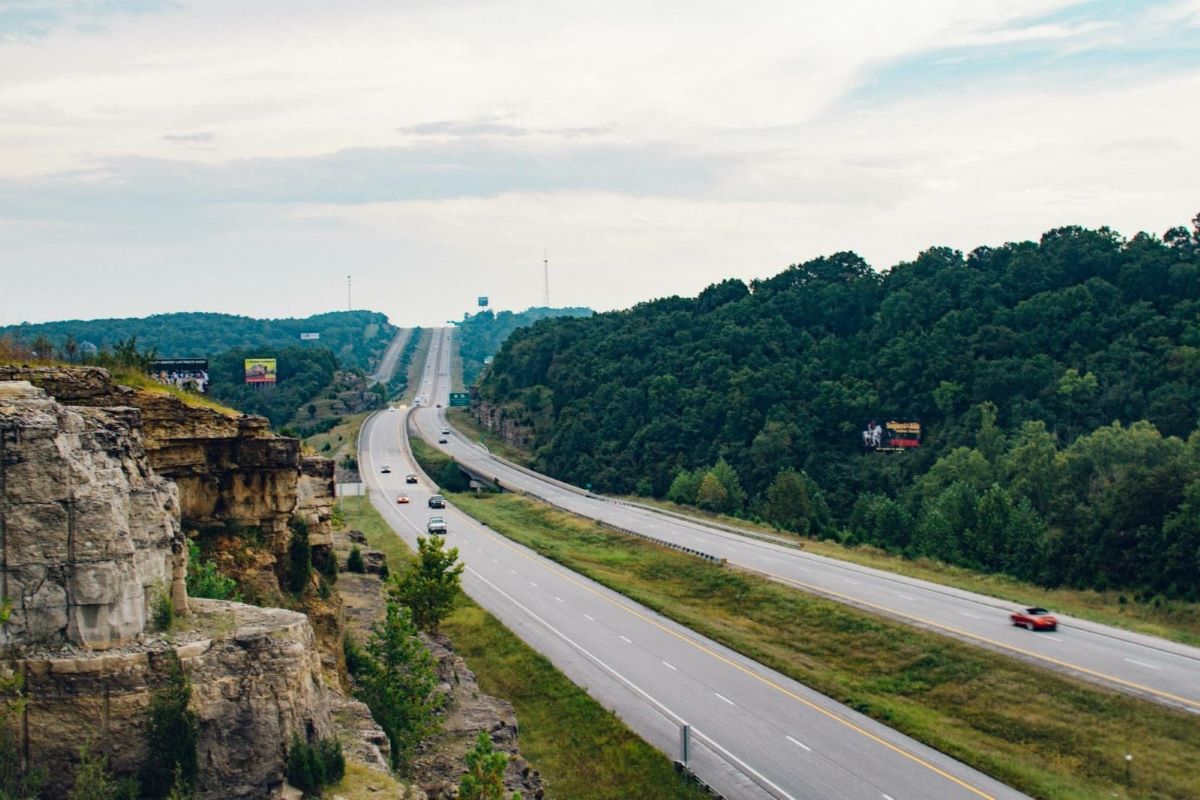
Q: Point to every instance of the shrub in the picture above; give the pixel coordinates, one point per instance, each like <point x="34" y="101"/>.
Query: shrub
<point x="354" y="563"/>
<point x="205" y="580"/>
<point x="311" y="767"/>
<point x="299" y="557"/>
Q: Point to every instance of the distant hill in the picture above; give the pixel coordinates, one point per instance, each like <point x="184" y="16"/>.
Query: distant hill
<point x="356" y="338"/>
<point x="1057" y="383"/>
<point x="481" y="335"/>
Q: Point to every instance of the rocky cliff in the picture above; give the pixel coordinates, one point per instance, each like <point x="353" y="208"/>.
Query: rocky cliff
<point x="90" y="534"/>
<point x="91" y="544"/>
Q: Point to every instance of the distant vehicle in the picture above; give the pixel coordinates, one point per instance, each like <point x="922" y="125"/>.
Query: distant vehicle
<point x="439" y="405"/>
<point x="402" y="498"/>
<point x="1034" y="618"/>
<point x="436" y="525"/>
<point x="386" y="470"/>
<point x="445" y="431"/>
<point x="410" y="478"/>
<point x="437" y="501"/>
<point x="443" y="440"/>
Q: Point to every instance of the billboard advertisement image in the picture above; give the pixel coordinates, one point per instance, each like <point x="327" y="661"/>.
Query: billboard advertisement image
<point x="260" y="370"/>
<point x="892" y="436"/>
<point x="183" y="373"/>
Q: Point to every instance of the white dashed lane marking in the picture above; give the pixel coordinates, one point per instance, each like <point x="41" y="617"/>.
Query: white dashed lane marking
<point x="626" y="640"/>
<point x="799" y="743"/>
<point x="669" y="665"/>
<point x="1142" y="664"/>
<point x="726" y="699"/>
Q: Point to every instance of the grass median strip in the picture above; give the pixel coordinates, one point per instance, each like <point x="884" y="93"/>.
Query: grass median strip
<point x="582" y="750"/>
<point x="1040" y="732"/>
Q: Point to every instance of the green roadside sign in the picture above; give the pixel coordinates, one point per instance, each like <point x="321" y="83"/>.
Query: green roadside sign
<point x="460" y="399"/>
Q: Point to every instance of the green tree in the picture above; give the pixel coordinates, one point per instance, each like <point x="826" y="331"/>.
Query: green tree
<point x="684" y="487"/>
<point x="735" y="496"/>
<point x="354" y="562"/>
<point x="429" y="587"/>
<point x="299" y="557"/>
<point x="484" y="778"/>
<point x="171" y="734"/>
<point x="712" y="495"/>
<point x="795" y="503"/>
<point x="395" y="677"/>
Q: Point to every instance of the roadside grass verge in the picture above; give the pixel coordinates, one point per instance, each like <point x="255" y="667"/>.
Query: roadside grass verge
<point x="582" y="750"/>
<point x="1168" y="619"/>
<point x="1043" y="733"/>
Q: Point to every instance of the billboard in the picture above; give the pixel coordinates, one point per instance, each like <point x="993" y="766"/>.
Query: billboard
<point x="483" y="301"/>
<point x="310" y="337"/>
<point x="183" y="373"/>
<point x="260" y="370"/>
<point x="892" y="436"/>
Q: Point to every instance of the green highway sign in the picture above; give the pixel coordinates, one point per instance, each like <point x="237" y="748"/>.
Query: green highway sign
<point x="460" y="399"/>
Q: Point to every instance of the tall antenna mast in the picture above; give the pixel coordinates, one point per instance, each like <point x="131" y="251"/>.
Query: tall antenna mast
<point x="349" y="303"/>
<point x="546" y="276"/>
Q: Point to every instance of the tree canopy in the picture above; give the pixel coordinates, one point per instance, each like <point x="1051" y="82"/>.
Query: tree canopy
<point x="1057" y="383"/>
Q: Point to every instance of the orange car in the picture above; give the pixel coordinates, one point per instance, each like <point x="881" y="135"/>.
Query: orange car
<point x="402" y="498"/>
<point x="1034" y="618"/>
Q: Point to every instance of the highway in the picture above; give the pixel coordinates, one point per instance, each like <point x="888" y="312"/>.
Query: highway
<point x="755" y="733"/>
<point x="387" y="364"/>
<point x="1145" y="666"/>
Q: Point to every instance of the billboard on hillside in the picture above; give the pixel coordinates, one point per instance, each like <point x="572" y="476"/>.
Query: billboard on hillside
<point x="183" y="373"/>
<point x="260" y="370"/>
<point x="483" y="301"/>
<point x="892" y="436"/>
<point x="310" y="337"/>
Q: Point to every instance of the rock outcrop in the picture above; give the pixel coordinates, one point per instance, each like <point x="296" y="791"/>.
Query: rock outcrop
<point x="91" y="542"/>
<point x="90" y="534"/>
<point x="255" y="679"/>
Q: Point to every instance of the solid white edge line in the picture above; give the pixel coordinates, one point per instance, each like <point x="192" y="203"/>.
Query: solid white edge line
<point x="765" y="782"/>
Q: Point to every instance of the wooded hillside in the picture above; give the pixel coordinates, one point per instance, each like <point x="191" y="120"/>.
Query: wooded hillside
<point x="1057" y="382"/>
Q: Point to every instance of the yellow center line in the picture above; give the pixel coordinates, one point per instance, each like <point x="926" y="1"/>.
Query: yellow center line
<point x="854" y="601"/>
<point x="730" y="662"/>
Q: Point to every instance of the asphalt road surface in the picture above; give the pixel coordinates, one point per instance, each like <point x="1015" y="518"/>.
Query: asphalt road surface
<point x="387" y="365"/>
<point x="754" y="732"/>
<point x="1145" y="666"/>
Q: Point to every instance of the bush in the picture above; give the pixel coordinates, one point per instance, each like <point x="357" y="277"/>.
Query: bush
<point x="354" y="563"/>
<point x="204" y="580"/>
<point x="163" y="612"/>
<point x="311" y="767"/>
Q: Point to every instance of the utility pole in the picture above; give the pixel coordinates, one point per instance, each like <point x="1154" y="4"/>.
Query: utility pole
<point x="546" y="276"/>
<point x="349" y="303"/>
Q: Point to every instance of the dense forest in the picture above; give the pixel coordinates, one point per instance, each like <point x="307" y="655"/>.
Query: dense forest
<point x="1057" y="382"/>
<point x="356" y="338"/>
<point x="481" y="335"/>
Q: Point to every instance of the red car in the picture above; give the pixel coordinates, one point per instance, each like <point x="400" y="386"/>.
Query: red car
<point x="402" y="498"/>
<point x="1034" y="618"/>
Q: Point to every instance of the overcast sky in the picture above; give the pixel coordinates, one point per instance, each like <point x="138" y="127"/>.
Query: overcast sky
<point x="244" y="157"/>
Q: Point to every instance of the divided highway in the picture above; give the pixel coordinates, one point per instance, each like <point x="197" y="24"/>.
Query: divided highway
<point x="755" y="733"/>
<point x="387" y="364"/>
<point x="1145" y="666"/>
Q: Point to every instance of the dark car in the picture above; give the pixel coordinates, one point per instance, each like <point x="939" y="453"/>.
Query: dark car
<point x="386" y="470"/>
<point x="443" y="440"/>
<point x="1034" y="618"/>
<point x="437" y="501"/>
<point x="410" y="478"/>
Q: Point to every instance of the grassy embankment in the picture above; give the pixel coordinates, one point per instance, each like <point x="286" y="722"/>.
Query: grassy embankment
<point x="582" y="750"/>
<point x="1043" y="733"/>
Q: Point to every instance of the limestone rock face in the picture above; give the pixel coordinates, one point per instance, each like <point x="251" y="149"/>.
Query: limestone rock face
<point x="255" y="678"/>
<point x="90" y="532"/>
<point x="316" y="498"/>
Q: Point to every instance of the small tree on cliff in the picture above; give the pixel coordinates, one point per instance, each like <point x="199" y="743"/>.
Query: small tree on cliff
<point x="299" y="557"/>
<point x="429" y="587"/>
<point x="171" y="736"/>
<point x="484" y="779"/>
